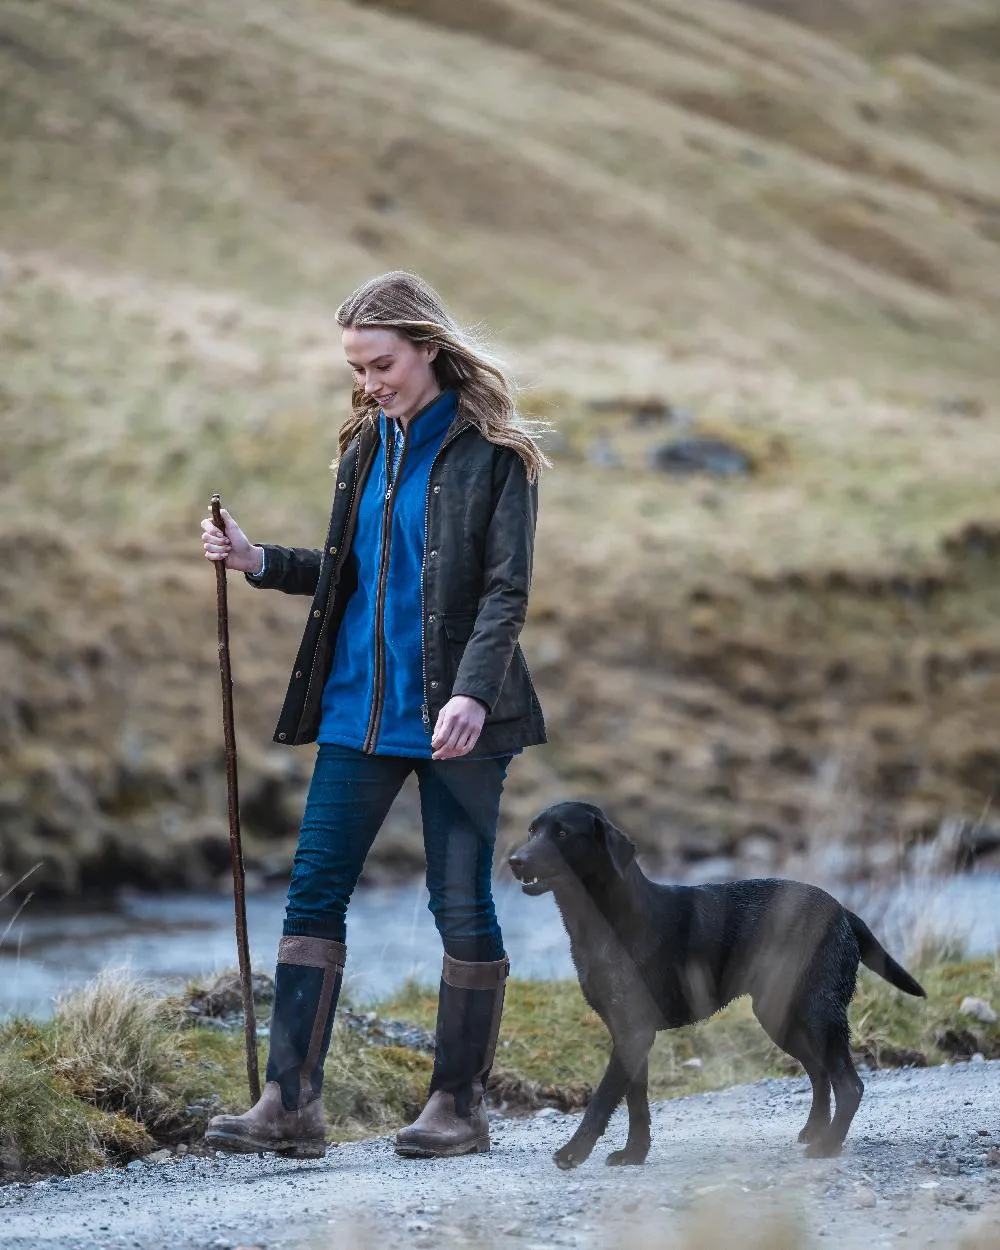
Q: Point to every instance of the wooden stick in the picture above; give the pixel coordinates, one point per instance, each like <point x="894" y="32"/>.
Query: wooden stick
<point x="235" y="844"/>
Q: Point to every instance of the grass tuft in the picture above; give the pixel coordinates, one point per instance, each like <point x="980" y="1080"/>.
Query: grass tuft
<point x="115" y="1045"/>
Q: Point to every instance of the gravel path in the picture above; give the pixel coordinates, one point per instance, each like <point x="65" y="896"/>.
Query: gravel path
<point x="921" y="1168"/>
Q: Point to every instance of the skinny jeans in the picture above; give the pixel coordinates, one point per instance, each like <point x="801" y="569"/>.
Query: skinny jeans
<point x="349" y="798"/>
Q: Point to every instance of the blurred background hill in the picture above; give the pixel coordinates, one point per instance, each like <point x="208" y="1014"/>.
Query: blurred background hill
<point x="772" y="224"/>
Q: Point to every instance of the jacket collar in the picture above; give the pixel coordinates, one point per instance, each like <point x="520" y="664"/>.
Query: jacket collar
<point x="430" y="424"/>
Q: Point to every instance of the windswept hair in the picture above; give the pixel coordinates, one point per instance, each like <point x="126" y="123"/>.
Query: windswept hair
<point x="487" y="395"/>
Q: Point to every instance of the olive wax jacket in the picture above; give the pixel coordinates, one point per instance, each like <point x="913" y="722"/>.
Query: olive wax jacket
<point x="480" y="527"/>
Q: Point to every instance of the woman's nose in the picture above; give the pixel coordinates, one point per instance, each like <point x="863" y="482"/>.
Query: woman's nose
<point x="371" y="386"/>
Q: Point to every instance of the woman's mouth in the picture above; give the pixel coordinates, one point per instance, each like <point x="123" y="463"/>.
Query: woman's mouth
<point x="386" y="400"/>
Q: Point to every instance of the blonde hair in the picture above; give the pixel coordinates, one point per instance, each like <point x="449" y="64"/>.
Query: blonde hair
<point x="487" y="395"/>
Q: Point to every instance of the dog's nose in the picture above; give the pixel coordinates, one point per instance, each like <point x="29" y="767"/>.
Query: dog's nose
<point x="516" y="862"/>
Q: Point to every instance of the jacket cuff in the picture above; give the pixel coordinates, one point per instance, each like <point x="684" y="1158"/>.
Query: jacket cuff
<point x="487" y="698"/>
<point x="259" y="580"/>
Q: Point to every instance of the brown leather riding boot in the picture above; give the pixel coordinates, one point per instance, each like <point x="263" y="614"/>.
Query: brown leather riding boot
<point x="288" y="1117"/>
<point x="454" y="1121"/>
<point x="268" y="1126"/>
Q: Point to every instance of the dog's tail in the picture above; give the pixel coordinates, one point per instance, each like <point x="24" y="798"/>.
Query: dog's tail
<point x="875" y="956"/>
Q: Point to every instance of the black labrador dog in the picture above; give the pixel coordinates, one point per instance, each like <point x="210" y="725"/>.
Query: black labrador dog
<point x="653" y="957"/>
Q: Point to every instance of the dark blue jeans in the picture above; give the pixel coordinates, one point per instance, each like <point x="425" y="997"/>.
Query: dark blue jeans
<point x="349" y="798"/>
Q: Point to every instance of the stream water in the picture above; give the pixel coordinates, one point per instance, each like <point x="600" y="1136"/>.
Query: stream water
<point x="168" y="938"/>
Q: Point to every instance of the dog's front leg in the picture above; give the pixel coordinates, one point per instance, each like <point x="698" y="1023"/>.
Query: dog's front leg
<point x="637" y="1142"/>
<point x="601" y="1107"/>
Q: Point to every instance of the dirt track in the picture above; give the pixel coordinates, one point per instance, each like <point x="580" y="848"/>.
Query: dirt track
<point x="918" y="1171"/>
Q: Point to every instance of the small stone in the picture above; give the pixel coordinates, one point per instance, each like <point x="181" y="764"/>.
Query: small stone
<point x="979" y="1009"/>
<point x="160" y="1156"/>
<point x="864" y="1197"/>
<point x="546" y="1113"/>
<point x="993" y="1157"/>
<point x="685" y="456"/>
<point x="694" y="1063"/>
<point x="978" y="1057"/>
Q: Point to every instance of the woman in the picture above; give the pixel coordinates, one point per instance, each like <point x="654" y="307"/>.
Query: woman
<point x="409" y="663"/>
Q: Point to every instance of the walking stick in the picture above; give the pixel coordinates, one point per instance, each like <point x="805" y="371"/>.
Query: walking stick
<point x="235" y="845"/>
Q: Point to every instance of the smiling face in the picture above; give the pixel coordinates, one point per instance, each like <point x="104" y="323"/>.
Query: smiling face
<point x="570" y="841"/>
<point x="394" y="371"/>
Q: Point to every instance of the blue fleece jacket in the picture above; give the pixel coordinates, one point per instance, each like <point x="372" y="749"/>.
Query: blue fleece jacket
<point x="349" y="694"/>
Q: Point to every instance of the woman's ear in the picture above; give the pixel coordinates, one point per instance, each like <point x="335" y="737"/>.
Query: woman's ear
<point x="432" y="351"/>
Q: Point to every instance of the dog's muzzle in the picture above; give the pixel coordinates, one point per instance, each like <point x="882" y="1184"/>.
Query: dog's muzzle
<point x="531" y="883"/>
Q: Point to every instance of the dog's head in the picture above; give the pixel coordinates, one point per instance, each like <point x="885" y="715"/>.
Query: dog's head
<point x="567" y="841"/>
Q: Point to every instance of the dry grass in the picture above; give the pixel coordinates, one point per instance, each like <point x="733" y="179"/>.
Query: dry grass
<point x="115" y="1044"/>
<point x="40" y="1126"/>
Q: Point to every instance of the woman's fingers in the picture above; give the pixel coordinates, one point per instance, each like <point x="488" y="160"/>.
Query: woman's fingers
<point x="217" y="545"/>
<point x="455" y="734"/>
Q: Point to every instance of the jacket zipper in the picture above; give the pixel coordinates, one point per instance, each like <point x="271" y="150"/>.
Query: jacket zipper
<point x="378" y="693"/>
<point x="425" y="711"/>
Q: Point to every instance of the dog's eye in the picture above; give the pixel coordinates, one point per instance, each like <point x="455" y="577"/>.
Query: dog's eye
<point x="561" y="833"/>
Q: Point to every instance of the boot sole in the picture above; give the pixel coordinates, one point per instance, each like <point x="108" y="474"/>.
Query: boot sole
<point x="414" y="1151"/>
<point x="232" y="1144"/>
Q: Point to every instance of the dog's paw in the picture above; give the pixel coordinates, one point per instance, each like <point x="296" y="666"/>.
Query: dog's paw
<point x="822" y="1148"/>
<point x="571" y="1155"/>
<point x="629" y="1157"/>
<point x="811" y="1132"/>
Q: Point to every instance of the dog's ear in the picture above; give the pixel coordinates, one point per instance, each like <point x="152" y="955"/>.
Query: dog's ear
<point x="621" y="850"/>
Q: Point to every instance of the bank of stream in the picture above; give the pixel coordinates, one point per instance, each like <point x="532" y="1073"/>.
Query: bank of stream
<point x="167" y="939"/>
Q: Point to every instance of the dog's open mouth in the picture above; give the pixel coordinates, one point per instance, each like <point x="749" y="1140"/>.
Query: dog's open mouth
<point x="534" y="885"/>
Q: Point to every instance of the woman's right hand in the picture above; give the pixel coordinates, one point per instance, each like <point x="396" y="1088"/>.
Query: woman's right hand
<point x="233" y="546"/>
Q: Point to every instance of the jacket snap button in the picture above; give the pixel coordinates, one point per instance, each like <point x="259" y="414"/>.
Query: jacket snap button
<point x="333" y="551"/>
<point x="434" y="555"/>
<point x="432" y="617"/>
<point x="317" y="613"/>
<point x="282" y="737"/>
<point x="298" y="672"/>
<point x="341" y="486"/>
<point x="437" y="490"/>
<point x="434" y="685"/>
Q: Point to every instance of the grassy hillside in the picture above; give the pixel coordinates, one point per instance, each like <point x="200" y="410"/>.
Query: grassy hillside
<point x="787" y="230"/>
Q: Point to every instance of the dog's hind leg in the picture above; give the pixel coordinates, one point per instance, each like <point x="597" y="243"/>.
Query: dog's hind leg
<point x="847" y="1090"/>
<point x="799" y="1045"/>
<point x="625" y="1062"/>
<point x="797" y="1040"/>
<point x="637" y="1142"/>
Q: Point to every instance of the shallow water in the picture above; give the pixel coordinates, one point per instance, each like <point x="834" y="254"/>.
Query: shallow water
<point x="168" y="938"/>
